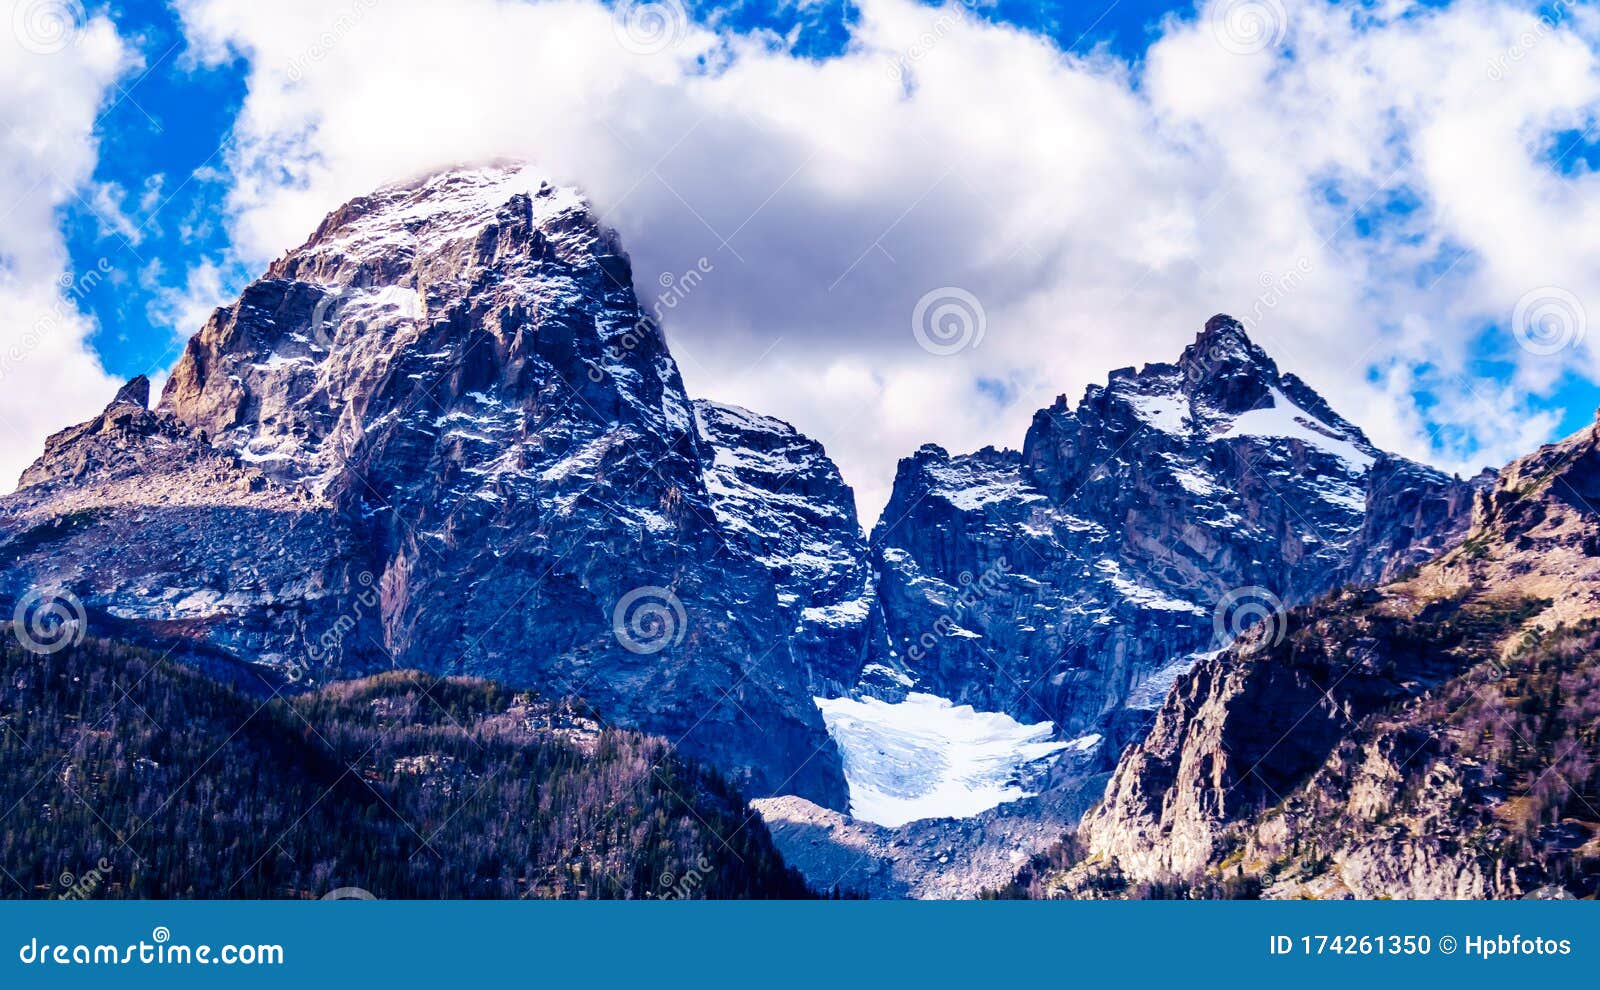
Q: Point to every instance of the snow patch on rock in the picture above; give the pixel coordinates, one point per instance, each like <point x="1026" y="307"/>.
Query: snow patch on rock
<point x="927" y="757"/>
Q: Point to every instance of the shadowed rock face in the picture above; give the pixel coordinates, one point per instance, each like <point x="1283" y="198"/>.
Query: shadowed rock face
<point x="780" y="499"/>
<point x="441" y="434"/>
<point x="1125" y="522"/>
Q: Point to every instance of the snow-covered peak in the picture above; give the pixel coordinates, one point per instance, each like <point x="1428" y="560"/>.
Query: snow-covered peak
<point x="426" y="214"/>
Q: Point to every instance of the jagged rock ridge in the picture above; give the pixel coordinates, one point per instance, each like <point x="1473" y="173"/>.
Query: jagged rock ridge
<point x="1432" y="738"/>
<point x="1075" y="580"/>
<point x="442" y="434"/>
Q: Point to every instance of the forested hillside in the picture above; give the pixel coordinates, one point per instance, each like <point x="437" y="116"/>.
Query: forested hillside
<point x="123" y="774"/>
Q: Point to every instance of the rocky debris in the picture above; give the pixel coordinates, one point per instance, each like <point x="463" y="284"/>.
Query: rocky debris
<point x="935" y="858"/>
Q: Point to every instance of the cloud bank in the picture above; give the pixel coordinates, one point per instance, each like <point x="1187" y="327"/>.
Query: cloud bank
<point x="56" y="69"/>
<point x="934" y="233"/>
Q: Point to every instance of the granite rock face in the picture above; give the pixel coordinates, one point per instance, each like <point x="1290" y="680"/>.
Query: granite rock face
<point x="442" y="434"/>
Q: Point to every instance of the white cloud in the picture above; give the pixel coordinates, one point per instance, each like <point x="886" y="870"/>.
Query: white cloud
<point x="54" y="76"/>
<point x="1099" y="211"/>
<point x="187" y="309"/>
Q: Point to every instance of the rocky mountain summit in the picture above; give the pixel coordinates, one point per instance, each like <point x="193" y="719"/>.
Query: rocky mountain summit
<point x="1125" y="522"/>
<point x="443" y="434"/>
<point x="1069" y="584"/>
<point x="1435" y="737"/>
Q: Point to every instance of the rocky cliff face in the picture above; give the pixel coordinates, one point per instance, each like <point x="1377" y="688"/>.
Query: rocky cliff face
<point x="1128" y="526"/>
<point x="782" y="501"/>
<point x="441" y="434"/>
<point x="1432" y="738"/>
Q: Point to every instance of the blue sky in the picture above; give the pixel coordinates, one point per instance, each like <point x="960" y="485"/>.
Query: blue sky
<point x="1327" y="148"/>
<point x="161" y="141"/>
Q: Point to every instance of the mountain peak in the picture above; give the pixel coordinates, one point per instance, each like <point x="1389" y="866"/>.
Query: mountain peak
<point x="137" y="391"/>
<point x="1222" y="323"/>
<point x="435" y="212"/>
<point x="1224" y="346"/>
